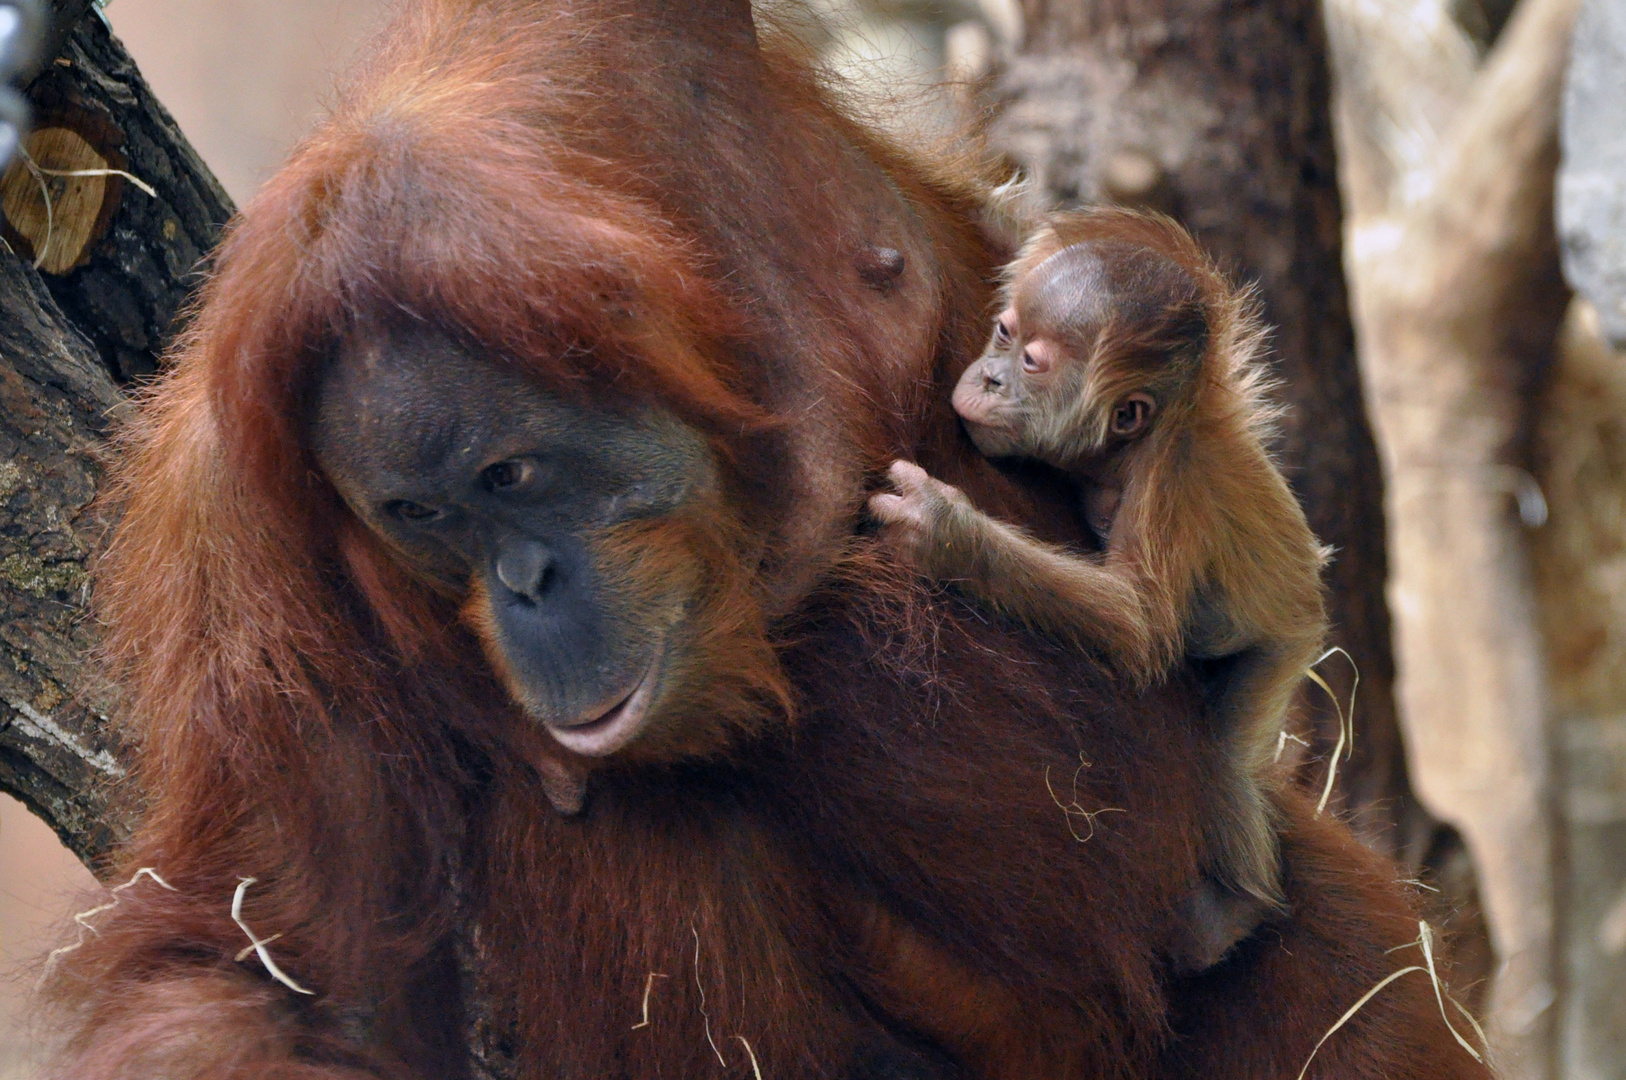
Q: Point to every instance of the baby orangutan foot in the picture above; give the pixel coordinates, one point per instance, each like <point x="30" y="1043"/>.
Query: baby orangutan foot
<point x="910" y="519"/>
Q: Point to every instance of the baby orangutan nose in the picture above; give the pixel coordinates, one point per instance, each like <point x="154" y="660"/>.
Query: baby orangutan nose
<point x="524" y="567"/>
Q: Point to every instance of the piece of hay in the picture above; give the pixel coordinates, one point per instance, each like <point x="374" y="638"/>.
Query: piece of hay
<point x="649" y="984"/>
<point x="1281" y="742"/>
<point x="704" y="1018"/>
<point x="257" y="944"/>
<point x="242" y="954"/>
<point x="1425" y="941"/>
<point x="1073" y="810"/>
<point x="756" y="1070"/>
<point x="1346" y="722"/>
<point x="82" y="920"/>
<point x="1353" y="1009"/>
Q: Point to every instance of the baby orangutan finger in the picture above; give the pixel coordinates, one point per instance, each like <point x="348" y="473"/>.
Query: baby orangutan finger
<point x="919" y="487"/>
<point x="907" y="516"/>
<point x="908" y="476"/>
<point x="887" y="508"/>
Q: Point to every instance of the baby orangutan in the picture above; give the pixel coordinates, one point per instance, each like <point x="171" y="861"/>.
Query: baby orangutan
<point x="1125" y="359"/>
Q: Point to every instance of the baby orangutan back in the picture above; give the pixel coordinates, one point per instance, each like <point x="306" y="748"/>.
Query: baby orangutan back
<point x="1126" y="360"/>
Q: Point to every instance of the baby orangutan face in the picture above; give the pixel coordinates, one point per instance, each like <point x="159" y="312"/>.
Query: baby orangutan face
<point x="1007" y="381"/>
<point x="1037" y="388"/>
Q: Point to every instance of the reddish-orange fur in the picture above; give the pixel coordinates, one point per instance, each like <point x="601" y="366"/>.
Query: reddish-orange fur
<point x="306" y="713"/>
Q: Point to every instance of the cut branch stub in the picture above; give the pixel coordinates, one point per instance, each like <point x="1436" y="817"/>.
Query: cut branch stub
<point x="60" y="195"/>
<point x="138" y="256"/>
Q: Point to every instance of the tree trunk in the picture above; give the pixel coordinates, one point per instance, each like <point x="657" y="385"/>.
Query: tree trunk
<point x="117" y="256"/>
<point x="1580" y="557"/>
<point x="1450" y="178"/>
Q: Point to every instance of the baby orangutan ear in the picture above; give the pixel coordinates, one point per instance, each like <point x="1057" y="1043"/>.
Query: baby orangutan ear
<point x="1133" y="415"/>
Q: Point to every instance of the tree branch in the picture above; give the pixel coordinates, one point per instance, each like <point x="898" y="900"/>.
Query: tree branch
<point x="118" y="264"/>
<point x="1458" y="299"/>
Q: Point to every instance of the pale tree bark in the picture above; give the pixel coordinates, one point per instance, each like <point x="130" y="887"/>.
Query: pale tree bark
<point x="1580" y="557"/>
<point x="1449" y="167"/>
<point x="1580" y="571"/>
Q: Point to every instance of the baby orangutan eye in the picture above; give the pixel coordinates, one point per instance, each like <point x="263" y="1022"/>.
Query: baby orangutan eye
<point x="1132" y="415"/>
<point x="1002" y="333"/>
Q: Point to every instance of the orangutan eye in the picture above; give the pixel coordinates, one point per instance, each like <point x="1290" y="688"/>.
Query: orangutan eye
<point x="507" y="475"/>
<point x="1002" y="333"/>
<point x="1032" y="363"/>
<point x="407" y="510"/>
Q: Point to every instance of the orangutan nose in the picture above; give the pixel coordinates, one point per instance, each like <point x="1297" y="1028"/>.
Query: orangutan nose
<point x="524" y="567"/>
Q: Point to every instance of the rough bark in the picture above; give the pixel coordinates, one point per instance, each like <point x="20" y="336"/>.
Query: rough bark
<point x="1450" y="168"/>
<point x="124" y="262"/>
<point x="124" y="272"/>
<point x="54" y="397"/>
<point x="1219" y="115"/>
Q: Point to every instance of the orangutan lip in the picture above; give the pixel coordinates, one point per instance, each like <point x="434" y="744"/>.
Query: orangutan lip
<point x="616" y="726"/>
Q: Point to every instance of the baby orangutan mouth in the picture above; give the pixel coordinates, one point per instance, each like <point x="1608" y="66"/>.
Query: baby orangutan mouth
<point x="601" y="733"/>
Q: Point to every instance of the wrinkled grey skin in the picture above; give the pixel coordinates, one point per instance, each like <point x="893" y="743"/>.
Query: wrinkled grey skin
<point x="484" y="482"/>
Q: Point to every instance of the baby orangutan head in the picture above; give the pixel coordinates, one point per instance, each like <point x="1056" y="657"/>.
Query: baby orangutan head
<point x="1100" y="334"/>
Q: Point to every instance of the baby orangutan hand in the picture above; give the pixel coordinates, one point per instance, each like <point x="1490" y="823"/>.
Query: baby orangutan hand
<point x="912" y="518"/>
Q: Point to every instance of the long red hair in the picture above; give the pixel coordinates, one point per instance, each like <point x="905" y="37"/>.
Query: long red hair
<point x="257" y="631"/>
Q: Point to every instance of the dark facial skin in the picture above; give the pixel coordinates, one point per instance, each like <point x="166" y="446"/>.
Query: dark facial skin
<point x="490" y="487"/>
<point x="1027" y="382"/>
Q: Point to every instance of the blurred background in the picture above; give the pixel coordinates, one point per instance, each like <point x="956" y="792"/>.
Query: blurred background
<point x="1431" y="195"/>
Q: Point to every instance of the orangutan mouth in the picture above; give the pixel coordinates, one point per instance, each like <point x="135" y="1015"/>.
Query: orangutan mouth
<point x="603" y="733"/>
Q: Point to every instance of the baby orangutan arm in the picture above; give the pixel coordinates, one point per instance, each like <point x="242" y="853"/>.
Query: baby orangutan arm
<point x="1060" y="593"/>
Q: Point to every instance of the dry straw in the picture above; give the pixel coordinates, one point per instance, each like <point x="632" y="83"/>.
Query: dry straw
<point x="1346" y="721"/>
<point x="1074" y="810"/>
<point x="257" y="944"/>
<point x="82" y="920"/>
<point x="756" y="1070"/>
<point x="649" y="984"/>
<point x="704" y="1017"/>
<point x="1425" y="941"/>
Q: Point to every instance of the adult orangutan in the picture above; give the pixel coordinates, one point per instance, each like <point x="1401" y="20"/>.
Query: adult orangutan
<point x="496" y="635"/>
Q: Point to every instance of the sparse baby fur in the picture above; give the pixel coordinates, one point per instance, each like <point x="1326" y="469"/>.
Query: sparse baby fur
<point x="1123" y="358"/>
